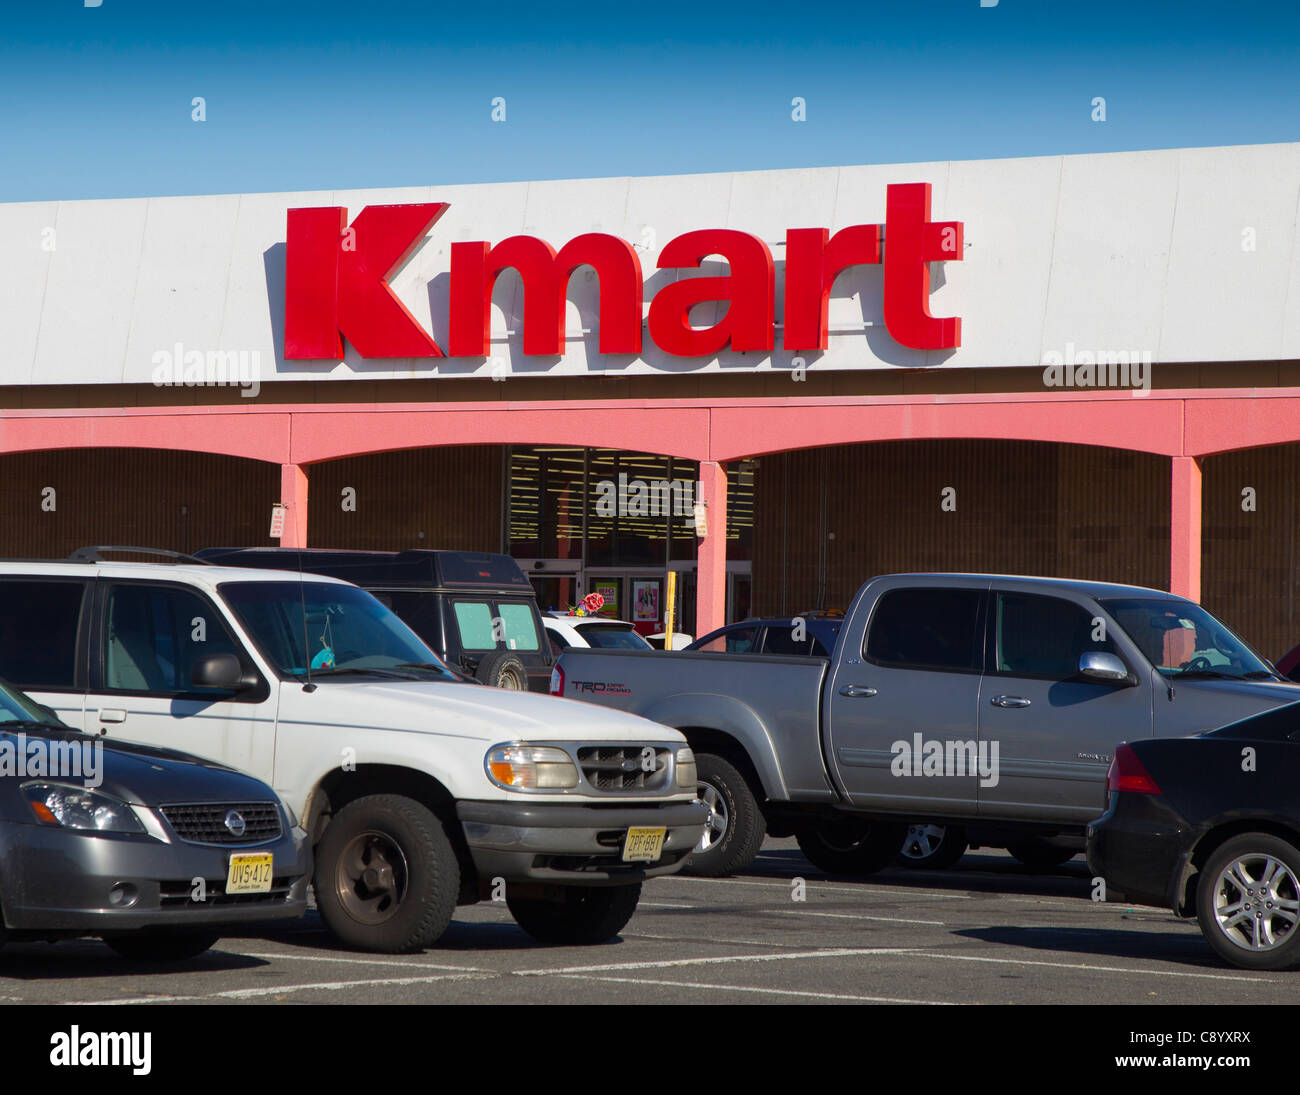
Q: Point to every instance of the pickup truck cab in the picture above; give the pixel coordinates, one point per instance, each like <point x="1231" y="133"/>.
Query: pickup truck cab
<point x="949" y="699"/>
<point x="419" y="790"/>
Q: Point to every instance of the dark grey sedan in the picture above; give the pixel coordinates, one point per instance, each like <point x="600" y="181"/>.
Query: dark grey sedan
<point x="155" y="851"/>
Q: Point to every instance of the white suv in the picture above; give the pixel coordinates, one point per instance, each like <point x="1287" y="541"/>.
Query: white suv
<point x="419" y="789"/>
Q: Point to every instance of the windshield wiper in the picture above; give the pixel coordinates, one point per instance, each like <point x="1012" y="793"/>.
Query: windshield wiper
<point x="431" y="667"/>
<point x="1182" y="674"/>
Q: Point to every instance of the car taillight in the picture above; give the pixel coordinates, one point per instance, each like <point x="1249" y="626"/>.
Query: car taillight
<point x="557" y="681"/>
<point x="1127" y="774"/>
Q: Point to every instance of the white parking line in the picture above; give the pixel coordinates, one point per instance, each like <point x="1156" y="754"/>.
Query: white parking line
<point x="767" y="992"/>
<point x="864" y="916"/>
<point x="1082" y="966"/>
<point x="284" y="990"/>
<point x="845" y="887"/>
<point x="841" y="952"/>
<point x="711" y="942"/>
<point x="665" y="905"/>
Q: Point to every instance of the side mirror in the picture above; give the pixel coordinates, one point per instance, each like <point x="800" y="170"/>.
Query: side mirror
<point x="1098" y="665"/>
<point x="220" y="671"/>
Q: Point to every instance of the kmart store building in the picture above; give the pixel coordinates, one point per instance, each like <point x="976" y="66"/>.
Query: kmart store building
<point x="773" y="383"/>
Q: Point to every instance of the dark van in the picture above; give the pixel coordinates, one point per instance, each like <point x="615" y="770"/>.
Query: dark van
<point x="477" y="610"/>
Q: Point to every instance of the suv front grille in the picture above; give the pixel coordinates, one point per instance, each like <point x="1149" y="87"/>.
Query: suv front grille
<point x="621" y="767"/>
<point x="205" y="822"/>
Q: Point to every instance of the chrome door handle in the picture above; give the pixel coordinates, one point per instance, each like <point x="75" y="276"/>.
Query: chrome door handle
<point x="857" y="690"/>
<point x="1010" y="701"/>
<point x="111" y="714"/>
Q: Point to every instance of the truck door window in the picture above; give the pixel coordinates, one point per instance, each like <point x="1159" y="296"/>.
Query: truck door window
<point x="1043" y="636"/>
<point x="41" y="656"/>
<point x="926" y="629"/>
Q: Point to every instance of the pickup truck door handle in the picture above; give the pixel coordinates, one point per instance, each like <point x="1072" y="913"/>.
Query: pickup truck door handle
<point x="1010" y="701"/>
<point x="857" y="690"/>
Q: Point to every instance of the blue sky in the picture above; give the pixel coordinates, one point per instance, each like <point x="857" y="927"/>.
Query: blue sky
<point x="96" y="101"/>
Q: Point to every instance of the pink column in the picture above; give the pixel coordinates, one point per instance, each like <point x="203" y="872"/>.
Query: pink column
<point x="711" y="551"/>
<point x="293" y="494"/>
<point x="1185" y="528"/>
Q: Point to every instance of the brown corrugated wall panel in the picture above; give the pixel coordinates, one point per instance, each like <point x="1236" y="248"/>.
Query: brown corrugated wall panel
<point x="181" y="501"/>
<point x="450" y="495"/>
<point x="1248" y="556"/>
<point x="828" y="519"/>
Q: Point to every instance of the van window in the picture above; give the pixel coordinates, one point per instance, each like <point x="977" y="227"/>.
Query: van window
<point x="474" y="618"/>
<point x="520" y="629"/>
<point x="40" y="655"/>
<point x="926" y="629"/>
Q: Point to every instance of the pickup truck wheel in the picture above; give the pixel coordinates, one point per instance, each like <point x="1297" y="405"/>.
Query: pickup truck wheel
<point x="1248" y="902"/>
<point x="386" y="875"/>
<point x="162" y="946"/>
<point x="581" y="916"/>
<point x="932" y="847"/>
<point x="736" y="827"/>
<point x="1039" y="856"/>
<point x="851" y="847"/>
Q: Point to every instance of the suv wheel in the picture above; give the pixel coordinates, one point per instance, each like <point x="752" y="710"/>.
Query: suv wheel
<point x="576" y="915"/>
<point x="503" y="670"/>
<point x="850" y="847"/>
<point x="386" y="875"/>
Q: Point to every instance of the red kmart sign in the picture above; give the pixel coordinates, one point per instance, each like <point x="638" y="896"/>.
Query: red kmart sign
<point x="336" y="284"/>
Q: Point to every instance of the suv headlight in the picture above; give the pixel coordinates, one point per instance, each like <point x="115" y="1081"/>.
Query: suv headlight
<point x="687" y="774"/>
<point x="75" y="807"/>
<point x="524" y="767"/>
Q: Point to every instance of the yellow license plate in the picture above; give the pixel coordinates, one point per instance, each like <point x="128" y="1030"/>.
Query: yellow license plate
<point x="643" y="844"/>
<point x="250" y="873"/>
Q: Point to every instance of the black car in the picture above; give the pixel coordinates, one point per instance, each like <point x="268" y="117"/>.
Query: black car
<point x="476" y="610"/>
<point x="152" y="850"/>
<point x="1209" y="826"/>
<point x="811" y="634"/>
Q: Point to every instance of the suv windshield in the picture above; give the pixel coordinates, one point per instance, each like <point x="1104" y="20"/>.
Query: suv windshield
<point x="340" y="628"/>
<point x="1181" y="638"/>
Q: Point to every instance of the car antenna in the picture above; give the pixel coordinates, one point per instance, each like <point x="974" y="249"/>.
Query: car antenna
<point x="306" y="644"/>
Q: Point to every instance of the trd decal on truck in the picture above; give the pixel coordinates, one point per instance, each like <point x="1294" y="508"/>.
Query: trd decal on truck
<point x="607" y="688"/>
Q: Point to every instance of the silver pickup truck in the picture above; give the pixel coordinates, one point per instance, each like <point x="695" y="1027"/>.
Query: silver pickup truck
<point x="980" y="703"/>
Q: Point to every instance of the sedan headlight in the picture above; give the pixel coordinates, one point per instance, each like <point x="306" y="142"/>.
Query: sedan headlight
<point x="523" y="767"/>
<point x="75" y="807"/>
<point x="687" y="775"/>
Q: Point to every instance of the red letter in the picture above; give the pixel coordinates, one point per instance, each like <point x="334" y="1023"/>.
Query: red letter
<point x="336" y="281"/>
<point x="811" y="266"/>
<point x="474" y="269"/>
<point x="911" y="243"/>
<point x="748" y="322"/>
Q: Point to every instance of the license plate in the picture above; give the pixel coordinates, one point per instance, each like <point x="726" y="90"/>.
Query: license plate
<point x="250" y="873"/>
<point x="643" y="844"/>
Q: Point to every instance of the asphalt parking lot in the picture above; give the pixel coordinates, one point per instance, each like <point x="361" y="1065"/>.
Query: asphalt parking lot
<point x="987" y="931"/>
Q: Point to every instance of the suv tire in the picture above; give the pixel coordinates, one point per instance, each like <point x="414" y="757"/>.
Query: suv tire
<point x="386" y="876"/>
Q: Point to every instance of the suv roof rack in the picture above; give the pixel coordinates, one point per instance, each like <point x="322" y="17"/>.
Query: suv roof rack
<point x="96" y="554"/>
